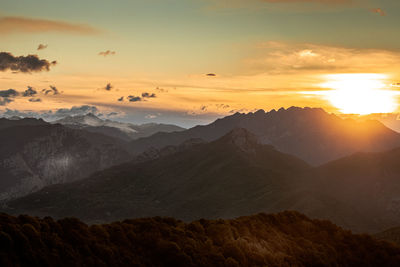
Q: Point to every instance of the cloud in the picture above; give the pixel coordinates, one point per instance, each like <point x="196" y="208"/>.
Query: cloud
<point x="76" y="110"/>
<point x="29" y="92"/>
<point x="6" y="96"/>
<point x="35" y="100"/>
<point x="148" y="95"/>
<point x="53" y="115"/>
<point x="42" y="46"/>
<point x="9" y="25"/>
<point x="151" y="116"/>
<point x="132" y="98"/>
<point x="107" y="53"/>
<point x="378" y="11"/>
<point x="108" y="87"/>
<point x="53" y="90"/>
<point x="121" y="99"/>
<point x="8" y="93"/>
<point x="294" y="58"/>
<point x="29" y="63"/>
<point x="5" y="100"/>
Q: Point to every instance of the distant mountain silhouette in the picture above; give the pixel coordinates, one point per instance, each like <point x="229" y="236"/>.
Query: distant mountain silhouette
<point x="34" y="154"/>
<point x="308" y="133"/>
<point x="284" y="239"/>
<point x="125" y="131"/>
<point x="7" y="123"/>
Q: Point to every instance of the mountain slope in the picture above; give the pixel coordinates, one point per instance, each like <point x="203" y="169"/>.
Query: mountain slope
<point x="231" y="176"/>
<point x="285" y="239"/>
<point x="369" y="182"/>
<point x="125" y="131"/>
<point x="34" y="156"/>
<point x="310" y="134"/>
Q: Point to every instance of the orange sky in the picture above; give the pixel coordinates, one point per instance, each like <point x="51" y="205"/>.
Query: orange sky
<point x="263" y="54"/>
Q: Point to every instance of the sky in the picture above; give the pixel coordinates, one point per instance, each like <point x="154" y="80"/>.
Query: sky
<point x="188" y="62"/>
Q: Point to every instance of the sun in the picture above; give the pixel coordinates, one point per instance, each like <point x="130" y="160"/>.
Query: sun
<point x="362" y="93"/>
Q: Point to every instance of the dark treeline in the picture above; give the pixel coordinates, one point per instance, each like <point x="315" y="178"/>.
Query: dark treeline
<point x="284" y="239"/>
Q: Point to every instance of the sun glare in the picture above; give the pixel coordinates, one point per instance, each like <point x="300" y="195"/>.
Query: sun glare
<point x="360" y="93"/>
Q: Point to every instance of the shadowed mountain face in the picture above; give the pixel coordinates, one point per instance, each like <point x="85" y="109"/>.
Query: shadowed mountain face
<point x="285" y="239"/>
<point x="124" y="131"/>
<point x="310" y="134"/>
<point x="368" y="182"/>
<point x="229" y="177"/>
<point x="232" y="176"/>
<point x="34" y="154"/>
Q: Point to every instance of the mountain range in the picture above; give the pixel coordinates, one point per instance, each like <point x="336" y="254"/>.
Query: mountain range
<point x="125" y="131"/>
<point x="224" y="171"/>
<point x="308" y="133"/>
<point x="232" y="176"/>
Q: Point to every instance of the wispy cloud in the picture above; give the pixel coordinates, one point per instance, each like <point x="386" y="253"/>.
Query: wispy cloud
<point x="35" y="100"/>
<point x="42" y="46"/>
<point x="53" y="90"/>
<point x="107" y="53"/>
<point x="296" y="58"/>
<point x="29" y="63"/>
<point x="148" y="95"/>
<point x="132" y="98"/>
<point x="378" y="11"/>
<point x="5" y="100"/>
<point x="9" y="25"/>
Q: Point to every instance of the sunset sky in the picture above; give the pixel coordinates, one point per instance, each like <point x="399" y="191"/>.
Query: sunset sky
<point x="190" y="61"/>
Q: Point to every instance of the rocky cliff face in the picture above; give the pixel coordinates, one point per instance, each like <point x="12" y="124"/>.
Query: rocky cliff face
<point x="32" y="157"/>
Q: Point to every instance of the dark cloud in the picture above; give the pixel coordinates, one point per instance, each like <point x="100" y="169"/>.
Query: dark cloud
<point x="10" y="25"/>
<point x="108" y="87"/>
<point x="29" y="63"/>
<point x="211" y="74"/>
<point x="42" y="46"/>
<point x="29" y="92"/>
<point x="53" y="90"/>
<point x="148" y="95"/>
<point x="8" y="93"/>
<point x="121" y="99"/>
<point x="378" y="11"/>
<point x="35" y="100"/>
<point x="132" y="98"/>
<point x="107" y="53"/>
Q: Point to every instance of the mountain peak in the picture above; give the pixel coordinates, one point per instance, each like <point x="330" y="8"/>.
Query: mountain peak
<point x="241" y="138"/>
